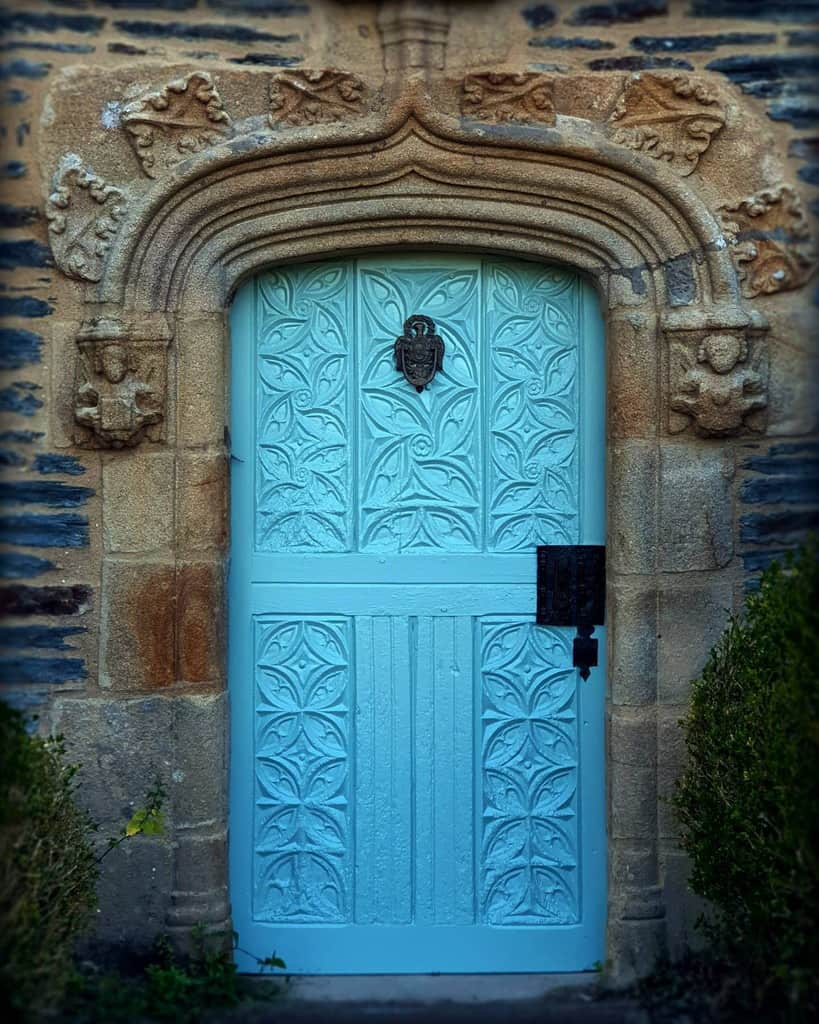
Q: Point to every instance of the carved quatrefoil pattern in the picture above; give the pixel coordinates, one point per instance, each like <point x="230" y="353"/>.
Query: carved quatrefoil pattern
<point x="301" y="835"/>
<point x="485" y="458"/>
<point x="530" y="857"/>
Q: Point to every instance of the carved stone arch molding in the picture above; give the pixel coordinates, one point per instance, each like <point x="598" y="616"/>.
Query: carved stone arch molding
<point x="685" y="352"/>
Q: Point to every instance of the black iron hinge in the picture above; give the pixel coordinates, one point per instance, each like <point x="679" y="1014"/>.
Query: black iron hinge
<point x="571" y="591"/>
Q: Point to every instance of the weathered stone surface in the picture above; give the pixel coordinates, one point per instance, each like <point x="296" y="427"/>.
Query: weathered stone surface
<point x="138" y="628"/>
<point x="632" y="527"/>
<point x="201" y="613"/>
<point x="671" y="759"/>
<point x="683" y="907"/>
<point x="138" y="501"/>
<point x="632" y="611"/>
<point x="696" y="508"/>
<point x="633" y="376"/>
<point x="199" y="782"/>
<point x="201" y="518"/>
<point x="691" y="621"/>
<point x="200" y="371"/>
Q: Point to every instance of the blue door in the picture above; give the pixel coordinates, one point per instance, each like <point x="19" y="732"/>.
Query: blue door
<point x="417" y="770"/>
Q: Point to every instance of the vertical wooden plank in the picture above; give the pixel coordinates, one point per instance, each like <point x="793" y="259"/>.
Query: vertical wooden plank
<point x="425" y="776"/>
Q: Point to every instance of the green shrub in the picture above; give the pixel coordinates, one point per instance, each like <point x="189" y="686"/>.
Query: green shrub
<point x="48" y="870"/>
<point x="748" y="801"/>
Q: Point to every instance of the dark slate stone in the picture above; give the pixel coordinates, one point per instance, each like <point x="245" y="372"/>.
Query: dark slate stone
<point x="148" y="5"/>
<point x="231" y="33"/>
<point x="799" y="112"/>
<point x="791" y="458"/>
<point x="263" y="8"/>
<point x="24" y="600"/>
<point x="810" y="174"/>
<point x="19" y="400"/>
<point x="804" y="38"/>
<point x="691" y="44"/>
<point x="65" y="530"/>
<point x="9" y="457"/>
<point x="804" y="149"/>
<point x="18" y="347"/>
<point x="271" y="60"/>
<point x="623" y="10"/>
<point x="24" y="252"/>
<point x="24" y="305"/>
<point x="14" y="566"/>
<point x="538" y="15"/>
<point x="53" y="47"/>
<point x="53" y="493"/>
<point x="42" y="637"/>
<point x="680" y="284"/>
<point x="571" y="43"/>
<point x="13" y="96"/>
<point x="12" y="169"/>
<point x="784" y="490"/>
<point x="20" y="436"/>
<point x="56" y="462"/>
<point x="784" y="526"/>
<point x="756" y="561"/>
<point x="22" y="68"/>
<point x="638" y="63"/>
<point x="21" y="21"/>
<point x="761" y="74"/>
<point x="757" y="10"/>
<point x="41" y="670"/>
<point x="17" y="216"/>
<point x="127" y="49"/>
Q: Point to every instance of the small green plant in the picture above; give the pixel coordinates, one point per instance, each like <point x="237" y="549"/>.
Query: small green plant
<point x="748" y="801"/>
<point x="172" y="988"/>
<point x="48" y="867"/>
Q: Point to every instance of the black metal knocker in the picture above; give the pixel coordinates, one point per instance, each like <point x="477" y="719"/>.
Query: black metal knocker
<point x="419" y="351"/>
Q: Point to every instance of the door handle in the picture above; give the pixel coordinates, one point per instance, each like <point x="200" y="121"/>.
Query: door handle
<point x="571" y="591"/>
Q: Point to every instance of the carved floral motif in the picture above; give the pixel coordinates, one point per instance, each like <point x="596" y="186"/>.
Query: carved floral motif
<point x="184" y="117"/>
<point x="667" y="118"/>
<point x="508" y="97"/>
<point x="719" y="382"/>
<point x="120" y="388"/>
<point x="315" y="97"/>
<point x="84" y="215"/>
<point x="772" y="245"/>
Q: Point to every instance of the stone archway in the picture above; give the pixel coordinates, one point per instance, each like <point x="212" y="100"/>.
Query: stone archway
<point x="686" y="360"/>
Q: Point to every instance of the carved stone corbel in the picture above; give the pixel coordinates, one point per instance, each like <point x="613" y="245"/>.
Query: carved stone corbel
<point x="121" y="382"/>
<point x="183" y="117"/>
<point x="717" y="374"/>
<point x="84" y="214"/>
<point x="771" y="241"/>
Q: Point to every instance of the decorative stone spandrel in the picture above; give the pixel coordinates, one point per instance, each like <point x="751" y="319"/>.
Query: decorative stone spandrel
<point x="84" y="215"/>
<point x="670" y="118"/>
<point x="120" y="385"/>
<point x="524" y="97"/>
<point x="315" y="97"/>
<point x="770" y="240"/>
<point x="718" y="383"/>
<point x="170" y="124"/>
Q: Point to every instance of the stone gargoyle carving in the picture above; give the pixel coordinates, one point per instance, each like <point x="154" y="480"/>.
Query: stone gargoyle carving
<point x="524" y="97"/>
<point x="771" y="241"/>
<point x="182" y="118"/>
<point x="315" y="97"/>
<point x="667" y="117"/>
<point x="120" y="384"/>
<point x="719" y="382"/>
<point x="84" y="215"/>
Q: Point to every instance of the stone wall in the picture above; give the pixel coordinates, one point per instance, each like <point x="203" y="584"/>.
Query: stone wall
<point x="113" y="573"/>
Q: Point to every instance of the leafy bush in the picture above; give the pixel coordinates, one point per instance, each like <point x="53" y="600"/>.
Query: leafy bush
<point x="48" y="870"/>
<point x="748" y="801"/>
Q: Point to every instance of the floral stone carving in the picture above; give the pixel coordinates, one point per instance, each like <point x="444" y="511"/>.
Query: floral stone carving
<point x="667" y="118"/>
<point x="719" y="381"/>
<point x="184" y="117"/>
<point x="508" y="97"/>
<point x="84" y="215"/>
<point x="771" y="240"/>
<point x="315" y="97"/>
<point x="121" y="383"/>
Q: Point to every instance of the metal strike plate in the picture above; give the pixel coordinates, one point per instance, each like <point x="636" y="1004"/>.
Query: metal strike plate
<point x="571" y="591"/>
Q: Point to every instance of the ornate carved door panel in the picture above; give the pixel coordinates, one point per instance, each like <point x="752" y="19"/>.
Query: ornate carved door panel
<point x="417" y="770"/>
